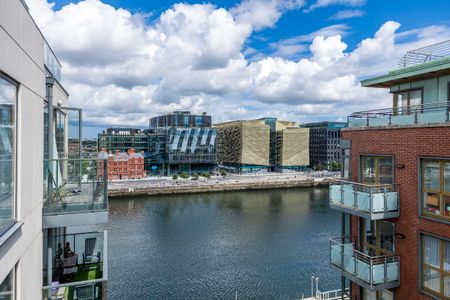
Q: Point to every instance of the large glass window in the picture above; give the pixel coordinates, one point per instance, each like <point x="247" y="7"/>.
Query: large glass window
<point x="7" y="287"/>
<point x="8" y="96"/>
<point x="404" y="100"/>
<point x="376" y="169"/>
<point x="378" y="237"/>
<point x="436" y="188"/>
<point x="436" y="266"/>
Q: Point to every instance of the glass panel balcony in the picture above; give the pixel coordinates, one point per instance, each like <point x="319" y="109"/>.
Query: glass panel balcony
<point x="371" y="272"/>
<point x="75" y="186"/>
<point x="437" y="112"/>
<point x="75" y="266"/>
<point x="374" y="202"/>
<point x="51" y="62"/>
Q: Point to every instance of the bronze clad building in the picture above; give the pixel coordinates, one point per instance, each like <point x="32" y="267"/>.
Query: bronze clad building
<point x="253" y="145"/>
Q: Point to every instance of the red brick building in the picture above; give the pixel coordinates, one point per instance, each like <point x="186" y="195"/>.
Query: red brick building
<point x="122" y="165"/>
<point x="395" y="200"/>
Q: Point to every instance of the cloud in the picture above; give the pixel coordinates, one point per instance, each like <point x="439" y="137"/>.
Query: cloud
<point x="122" y="69"/>
<point x="347" y="14"/>
<point x="295" y="46"/>
<point x="326" y="3"/>
<point x="263" y="13"/>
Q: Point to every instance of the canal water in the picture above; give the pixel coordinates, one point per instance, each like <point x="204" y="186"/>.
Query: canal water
<point x="258" y="244"/>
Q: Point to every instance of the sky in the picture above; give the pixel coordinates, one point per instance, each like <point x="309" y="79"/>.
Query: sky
<point x="125" y="61"/>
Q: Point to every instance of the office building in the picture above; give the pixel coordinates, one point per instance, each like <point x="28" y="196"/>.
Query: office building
<point x="395" y="200"/>
<point x="324" y="138"/>
<point x="39" y="214"/>
<point x="121" y="139"/>
<point x="263" y="144"/>
<point x="183" y="119"/>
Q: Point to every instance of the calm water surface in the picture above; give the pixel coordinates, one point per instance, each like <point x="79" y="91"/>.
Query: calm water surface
<point x="260" y="244"/>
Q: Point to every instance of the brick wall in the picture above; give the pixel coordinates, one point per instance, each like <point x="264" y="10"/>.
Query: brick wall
<point x="406" y="145"/>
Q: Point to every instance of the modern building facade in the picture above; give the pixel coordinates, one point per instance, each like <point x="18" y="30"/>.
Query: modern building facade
<point x="262" y="144"/>
<point x="39" y="214"/>
<point x="183" y="119"/>
<point x="121" y="139"/>
<point x="123" y="165"/>
<point x="395" y="199"/>
<point x="324" y="140"/>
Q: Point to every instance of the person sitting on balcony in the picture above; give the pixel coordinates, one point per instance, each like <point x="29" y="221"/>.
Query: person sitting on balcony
<point x="67" y="251"/>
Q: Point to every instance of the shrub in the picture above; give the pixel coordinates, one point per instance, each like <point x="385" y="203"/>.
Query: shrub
<point x="223" y="172"/>
<point x="175" y="176"/>
<point x="184" y="175"/>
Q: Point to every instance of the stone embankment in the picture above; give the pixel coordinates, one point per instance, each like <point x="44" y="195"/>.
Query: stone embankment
<point x="167" y="186"/>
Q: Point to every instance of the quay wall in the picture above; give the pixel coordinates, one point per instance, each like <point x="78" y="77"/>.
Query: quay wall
<point x="205" y="188"/>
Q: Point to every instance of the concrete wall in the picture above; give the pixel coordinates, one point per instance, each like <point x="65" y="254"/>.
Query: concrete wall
<point x="434" y="89"/>
<point x="22" y="59"/>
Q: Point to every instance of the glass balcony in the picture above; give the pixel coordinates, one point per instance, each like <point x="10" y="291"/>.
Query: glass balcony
<point x="374" y="202"/>
<point x="75" y="266"/>
<point x="437" y="112"/>
<point x="51" y="62"/>
<point x="75" y="186"/>
<point x="371" y="272"/>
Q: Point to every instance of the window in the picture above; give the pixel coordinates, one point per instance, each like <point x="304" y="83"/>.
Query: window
<point x="376" y="169"/>
<point x="8" y="96"/>
<point x="403" y="101"/>
<point x="7" y="287"/>
<point x="378" y="237"/>
<point x="436" y="266"/>
<point x="436" y="188"/>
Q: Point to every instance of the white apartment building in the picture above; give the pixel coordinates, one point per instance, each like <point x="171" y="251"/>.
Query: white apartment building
<point x="46" y="188"/>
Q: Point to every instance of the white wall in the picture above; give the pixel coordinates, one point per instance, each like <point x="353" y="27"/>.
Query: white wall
<point x="22" y="58"/>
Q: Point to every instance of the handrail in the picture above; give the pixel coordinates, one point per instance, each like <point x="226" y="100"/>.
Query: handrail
<point x="380" y="258"/>
<point x="378" y="186"/>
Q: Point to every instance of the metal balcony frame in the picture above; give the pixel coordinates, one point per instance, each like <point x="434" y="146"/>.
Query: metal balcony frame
<point x="388" y="113"/>
<point x="366" y="214"/>
<point x="366" y="258"/>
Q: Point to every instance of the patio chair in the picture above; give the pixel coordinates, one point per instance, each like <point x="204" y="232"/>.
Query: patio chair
<point x="88" y="255"/>
<point x="86" y="292"/>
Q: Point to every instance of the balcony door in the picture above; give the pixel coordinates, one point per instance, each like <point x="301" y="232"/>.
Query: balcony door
<point x="404" y="102"/>
<point x="380" y="295"/>
<point x="377" y="238"/>
<point x="376" y="170"/>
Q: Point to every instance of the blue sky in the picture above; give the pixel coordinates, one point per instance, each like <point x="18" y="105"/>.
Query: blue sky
<point x="290" y="59"/>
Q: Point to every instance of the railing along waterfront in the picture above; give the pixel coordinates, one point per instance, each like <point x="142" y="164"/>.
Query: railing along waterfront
<point x="75" y="186"/>
<point x="371" y="272"/>
<point x="75" y="266"/>
<point x="374" y="202"/>
<point x="436" y="112"/>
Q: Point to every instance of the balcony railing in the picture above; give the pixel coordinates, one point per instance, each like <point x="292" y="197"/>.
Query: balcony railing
<point x="75" y="186"/>
<point x="75" y="266"/>
<point x="371" y="272"/>
<point x="437" y="112"/>
<point x="374" y="202"/>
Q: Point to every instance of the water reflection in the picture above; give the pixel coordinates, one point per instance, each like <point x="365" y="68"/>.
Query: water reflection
<point x="262" y="244"/>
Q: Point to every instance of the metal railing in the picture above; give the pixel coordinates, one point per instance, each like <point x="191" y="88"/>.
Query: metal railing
<point x="378" y="201"/>
<point x="371" y="272"/>
<point x="74" y="186"/>
<point x="76" y="265"/>
<point x="435" y="112"/>
<point x="425" y="54"/>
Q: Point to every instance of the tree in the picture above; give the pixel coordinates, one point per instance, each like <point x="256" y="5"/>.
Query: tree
<point x="175" y="176"/>
<point x="223" y="172"/>
<point x="184" y="175"/>
<point x="335" y="166"/>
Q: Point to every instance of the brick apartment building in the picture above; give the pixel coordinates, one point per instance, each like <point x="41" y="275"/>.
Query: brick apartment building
<point x="124" y="165"/>
<point x="395" y="200"/>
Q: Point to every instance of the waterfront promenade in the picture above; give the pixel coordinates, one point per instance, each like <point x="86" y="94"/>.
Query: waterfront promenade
<point x="231" y="182"/>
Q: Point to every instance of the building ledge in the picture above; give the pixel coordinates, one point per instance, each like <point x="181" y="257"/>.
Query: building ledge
<point x="10" y="232"/>
<point x="408" y="126"/>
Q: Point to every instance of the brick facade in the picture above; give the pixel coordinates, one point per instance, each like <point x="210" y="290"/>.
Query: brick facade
<point x="407" y="145"/>
<point x="122" y="165"/>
